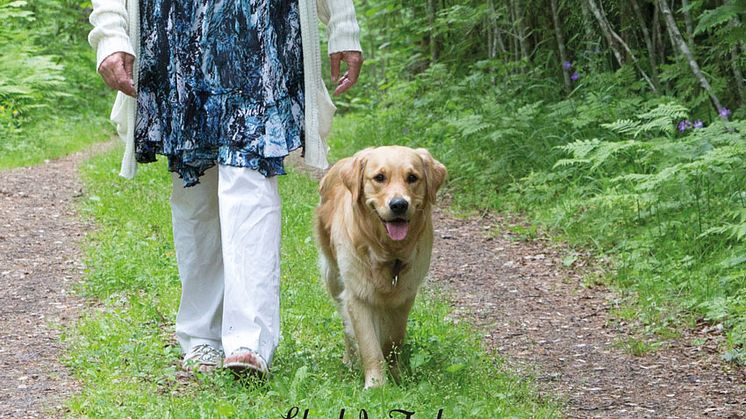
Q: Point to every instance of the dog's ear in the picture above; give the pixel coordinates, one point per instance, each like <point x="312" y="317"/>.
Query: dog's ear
<point x="352" y="174"/>
<point x="435" y="173"/>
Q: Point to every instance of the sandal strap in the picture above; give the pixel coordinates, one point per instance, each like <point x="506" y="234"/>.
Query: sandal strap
<point x="235" y="363"/>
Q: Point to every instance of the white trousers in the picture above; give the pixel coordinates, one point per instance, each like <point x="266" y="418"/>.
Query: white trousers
<point x="227" y="239"/>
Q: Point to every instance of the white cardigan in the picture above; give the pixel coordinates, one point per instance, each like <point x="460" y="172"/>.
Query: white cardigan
<point x="116" y="29"/>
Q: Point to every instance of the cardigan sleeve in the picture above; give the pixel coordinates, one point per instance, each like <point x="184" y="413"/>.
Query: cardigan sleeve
<point x="109" y="34"/>
<point x="344" y="32"/>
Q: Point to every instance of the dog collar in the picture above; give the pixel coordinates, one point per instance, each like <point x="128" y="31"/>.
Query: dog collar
<point x="398" y="265"/>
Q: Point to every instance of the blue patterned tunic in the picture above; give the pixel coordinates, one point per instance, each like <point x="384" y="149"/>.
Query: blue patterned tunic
<point x="219" y="81"/>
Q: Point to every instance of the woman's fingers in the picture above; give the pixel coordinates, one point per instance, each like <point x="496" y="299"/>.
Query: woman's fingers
<point x="344" y="84"/>
<point x="354" y="60"/>
<point x="124" y="82"/>
<point x="129" y="63"/>
<point x="336" y="60"/>
<point x="117" y="70"/>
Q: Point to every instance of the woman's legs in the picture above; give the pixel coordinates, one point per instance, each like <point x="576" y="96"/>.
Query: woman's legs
<point x="196" y="226"/>
<point x="251" y="227"/>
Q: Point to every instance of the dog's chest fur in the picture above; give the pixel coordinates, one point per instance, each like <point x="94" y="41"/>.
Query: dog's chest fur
<point x="379" y="285"/>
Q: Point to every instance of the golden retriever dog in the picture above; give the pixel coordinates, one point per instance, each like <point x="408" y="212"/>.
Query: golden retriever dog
<point x="375" y="235"/>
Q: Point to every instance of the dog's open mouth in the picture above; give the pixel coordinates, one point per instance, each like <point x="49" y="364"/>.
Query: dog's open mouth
<point x="397" y="229"/>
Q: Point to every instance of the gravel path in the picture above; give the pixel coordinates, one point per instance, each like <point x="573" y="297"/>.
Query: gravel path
<point x="536" y="314"/>
<point x="40" y="261"/>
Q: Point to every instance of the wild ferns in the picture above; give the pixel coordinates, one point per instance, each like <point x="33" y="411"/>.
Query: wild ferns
<point x="656" y="196"/>
<point x="27" y="77"/>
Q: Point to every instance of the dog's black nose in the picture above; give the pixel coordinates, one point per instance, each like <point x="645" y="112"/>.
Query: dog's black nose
<point x="398" y="205"/>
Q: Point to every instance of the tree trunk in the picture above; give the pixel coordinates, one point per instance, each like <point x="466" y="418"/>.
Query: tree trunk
<point x="734" y="58"/>
<point x="688" y="22"/>
<point x="648" y="43"/>
<point x="516" y="41"/>
<point x="671" y="38"/>
<point x="561" y="45"/>
<point x="491" y="52"/>
<point x="737" y="74"/>
<point x="591" y="39"/>
<point x="496" y="43"/>
<point x="499" y="40"/>
<point x="634" y="60"/>
<point x="606" y="31"/>
<point x="660" y="47"/>
<point x="613" y="36"/>
<point x="432" y="11"/>
<point x="522" y="32"/>
<point x="679" y="41"/>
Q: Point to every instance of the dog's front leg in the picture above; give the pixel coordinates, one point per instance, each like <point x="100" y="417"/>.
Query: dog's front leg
<point x="361" y="317"/>
<point x="394" y="330"/>
<point x="350" y="356"/>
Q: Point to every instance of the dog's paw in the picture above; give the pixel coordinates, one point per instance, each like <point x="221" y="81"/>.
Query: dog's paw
<point x="374" y="380"/>
<point x="348" y="361"/>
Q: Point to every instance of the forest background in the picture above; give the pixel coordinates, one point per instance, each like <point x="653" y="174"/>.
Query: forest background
<point x="616" y="126"/>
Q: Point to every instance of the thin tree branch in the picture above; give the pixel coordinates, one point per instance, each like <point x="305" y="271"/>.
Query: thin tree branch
<point x="679" y="40"/>
<point x="648" y="43"/>
<point x="561" y="45"/>
<point x="688" y="22"/>
<point x="605" y="30"/>
<point x="612" y="36"/>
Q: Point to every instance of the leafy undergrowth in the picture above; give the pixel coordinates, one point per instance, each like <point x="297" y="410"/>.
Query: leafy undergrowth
<point x="124" y="354"/>
<point x="638" y="179"/>
<point x="52" y="102"/>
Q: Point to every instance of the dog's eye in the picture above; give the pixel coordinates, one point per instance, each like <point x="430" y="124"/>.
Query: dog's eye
<point x="379" y="178"/>
<point x="412" y="178"/>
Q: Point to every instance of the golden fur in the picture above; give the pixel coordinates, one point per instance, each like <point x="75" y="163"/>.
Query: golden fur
<point x="371" y="271"/>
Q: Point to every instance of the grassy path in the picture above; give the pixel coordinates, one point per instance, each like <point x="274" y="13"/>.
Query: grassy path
<point x="124" y="354"/>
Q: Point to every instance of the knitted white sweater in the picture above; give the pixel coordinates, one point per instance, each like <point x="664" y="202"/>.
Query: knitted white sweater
<point x="116" y="29"/>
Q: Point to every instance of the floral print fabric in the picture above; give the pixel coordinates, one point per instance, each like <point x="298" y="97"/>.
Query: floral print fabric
<point x="219" y="81"/>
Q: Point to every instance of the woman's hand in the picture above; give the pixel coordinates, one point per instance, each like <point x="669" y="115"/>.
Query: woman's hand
<point x="116" y="70"/>
<point x="354" y="60"/>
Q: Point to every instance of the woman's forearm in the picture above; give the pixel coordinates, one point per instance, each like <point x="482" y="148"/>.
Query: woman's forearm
<point x="109" y="34"/>
<point x="344" y="32"/>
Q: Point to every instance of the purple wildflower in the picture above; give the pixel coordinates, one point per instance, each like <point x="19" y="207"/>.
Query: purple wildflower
<point x="684" y="125"/>
<point x="724" y="113"/>
<point x="699" y="124"/>
<point x="566" y="65"/>
<point x="575" y="76"/>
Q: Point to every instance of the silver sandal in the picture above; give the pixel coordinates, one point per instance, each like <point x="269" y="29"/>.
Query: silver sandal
<point x="202" y="358"/>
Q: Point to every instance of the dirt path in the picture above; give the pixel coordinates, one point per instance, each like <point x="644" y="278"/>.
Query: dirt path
<point x="537" y="315"/>
<point x="40" y="260"/>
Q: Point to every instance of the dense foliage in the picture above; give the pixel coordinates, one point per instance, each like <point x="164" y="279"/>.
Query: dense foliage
<point x="51" y="99"/>
<point x="618" y="123"/>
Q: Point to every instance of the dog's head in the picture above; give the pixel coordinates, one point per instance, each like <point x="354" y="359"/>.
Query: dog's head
<point x="395" y="184"/>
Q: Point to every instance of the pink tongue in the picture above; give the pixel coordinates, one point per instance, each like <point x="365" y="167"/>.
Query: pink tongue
<point x="397" y="230"/>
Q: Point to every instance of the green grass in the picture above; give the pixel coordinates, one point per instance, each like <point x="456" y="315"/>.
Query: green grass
<point x="636" y="347"/>
<point x="52" y="101"/>
<point x="51" y="138"/>
<point x="76" y="119"/>
<point x="123" y="352"/>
